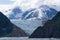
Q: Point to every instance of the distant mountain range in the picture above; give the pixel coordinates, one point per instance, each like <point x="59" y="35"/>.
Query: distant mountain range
<point x="47" y="13"/>
<point x="18" y="13"/>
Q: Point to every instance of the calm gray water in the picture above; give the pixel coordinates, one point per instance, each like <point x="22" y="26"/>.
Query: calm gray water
<point x="26" y="38"/>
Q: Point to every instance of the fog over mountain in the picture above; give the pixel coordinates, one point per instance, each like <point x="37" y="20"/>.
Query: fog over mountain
<point x="25" y="5"/>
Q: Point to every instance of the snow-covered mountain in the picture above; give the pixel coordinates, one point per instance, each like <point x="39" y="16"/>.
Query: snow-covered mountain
<point x="43" y="12"/>
<point x="28" y="14"/>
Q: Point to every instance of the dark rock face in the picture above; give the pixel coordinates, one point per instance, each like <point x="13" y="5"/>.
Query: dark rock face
<point x="5" y="25"/>
<point x="9" y="29"/>
<point x="51" y="29"/>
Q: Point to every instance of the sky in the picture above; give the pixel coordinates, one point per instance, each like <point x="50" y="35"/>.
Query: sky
<point x="6" y="2"/>
<point x="5" y="5"/>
